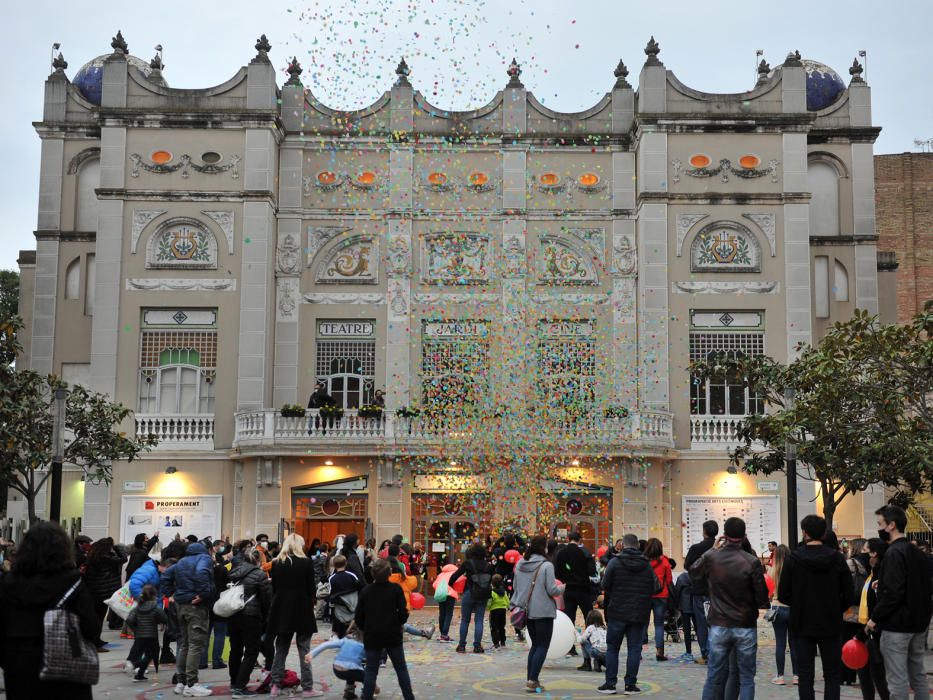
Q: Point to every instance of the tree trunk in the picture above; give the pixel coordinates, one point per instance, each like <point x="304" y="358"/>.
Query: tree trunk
<point x="829" y="510"/>
<point x="31" y="507"/>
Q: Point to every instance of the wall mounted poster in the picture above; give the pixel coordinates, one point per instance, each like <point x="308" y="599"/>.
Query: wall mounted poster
<point x="170" y="516"/>
<point x="762" y="516"/>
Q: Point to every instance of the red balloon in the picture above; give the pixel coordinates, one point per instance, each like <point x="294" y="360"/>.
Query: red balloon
<point x="460" y="584"/>
<point x="854" y="654"/>
<point x="512" y="556"/>
<point x="601" y="551"/>
<point x="769" y="582"/>
<point x="417" y="601"/>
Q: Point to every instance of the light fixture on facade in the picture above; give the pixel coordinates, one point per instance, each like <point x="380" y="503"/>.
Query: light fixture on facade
<point x="575" y="462"/>
<point x="171" y="470"/>
<point x="329" y="462"/>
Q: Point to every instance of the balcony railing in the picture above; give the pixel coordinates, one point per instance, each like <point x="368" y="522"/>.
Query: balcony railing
<point x="268" y="428"/>
<point x="178" y="432"/>
<point x="714" y="432"/>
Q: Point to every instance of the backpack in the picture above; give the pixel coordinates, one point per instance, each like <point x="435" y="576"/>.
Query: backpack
<point x="231" y="601"/>
<point x="480" y="583"/>
<point x="345" y="607"/>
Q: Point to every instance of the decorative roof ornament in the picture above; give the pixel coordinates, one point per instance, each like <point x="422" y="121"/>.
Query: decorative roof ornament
<point x="621" y="73"/>
<point x="793" y="60"/>
<point x="856" y="71"/>
<point x="156" y="62"/>
<point x="59" y="63"/>
<point x="118" y="43"/>
<point x="294" y="71"/>
<point x="651" y="51"/>
<point x="263" y="47"/>
<point x="402" y="71"/>
<point x="763" y="69"/>
<point x="514" y="72"/>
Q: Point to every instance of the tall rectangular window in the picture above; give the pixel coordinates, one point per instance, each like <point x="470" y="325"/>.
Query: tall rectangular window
<point x="346" y="360"/>
<point x="566" y="359"/>
<point x="727" y="394"/>
<point x="177" y="365"/>
<point x="454" y="364"/>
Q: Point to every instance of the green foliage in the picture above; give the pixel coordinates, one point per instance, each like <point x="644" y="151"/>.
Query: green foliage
<point x="9" y="294"/>
<point x="860" y="414"/>
<point x="26" y="427"/>
<point x="292" y="411"/>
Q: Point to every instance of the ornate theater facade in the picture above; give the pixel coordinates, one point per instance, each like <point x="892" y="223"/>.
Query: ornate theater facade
<point x="526" y="287"/>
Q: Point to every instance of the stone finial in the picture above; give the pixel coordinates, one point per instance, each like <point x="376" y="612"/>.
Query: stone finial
<point x="793" y="60"/>
<point x="763" y="69"/>
<point x="651" y="51"/>
<point x="402" y="71"/>
<point x="856" y="71"/>
<point x="118" y="43"/>
<point x="621" y="73"/>
<point x="156" y="62"/>
<point x="263" y="47"/>
<point x="514" y="72"/>
<point x="59" y="63"/>
<point x="294" y="72"/>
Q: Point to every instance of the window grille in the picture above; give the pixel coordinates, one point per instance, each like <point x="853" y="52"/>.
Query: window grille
<point x="177" y="372"/>
<point x="454" y="371"/>
<point x="567" y="372"/>
<point x="727" y="394"/>
<point x="348" y="369"/>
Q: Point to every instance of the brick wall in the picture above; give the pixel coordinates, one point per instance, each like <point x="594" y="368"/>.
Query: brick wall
<point x="904" y="215"/>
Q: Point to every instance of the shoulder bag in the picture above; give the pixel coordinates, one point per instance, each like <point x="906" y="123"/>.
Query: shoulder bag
<point x="518" y="614"/>
<point x="66" y="654"/>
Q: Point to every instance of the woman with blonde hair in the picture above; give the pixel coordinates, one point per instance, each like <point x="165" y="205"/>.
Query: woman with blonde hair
<point x="780" y="619"/>
<point x="292" y="612"/>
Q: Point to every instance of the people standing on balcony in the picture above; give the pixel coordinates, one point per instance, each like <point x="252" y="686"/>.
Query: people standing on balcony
<point x="379" y="398"/>
<point x="576" y="567"/>
<point x="478" y="573"/>
<point x="628" y="584"/>
<point x="535" y="588"/>
<point x="319" y="399"/>
<point x="292" y="612"/>
<point x="902" y="613"/>
<point x="701" y="588"/>
<point x="737" y="591"/>
<point x="103" y="566"/>
<point x="654" y="552"/>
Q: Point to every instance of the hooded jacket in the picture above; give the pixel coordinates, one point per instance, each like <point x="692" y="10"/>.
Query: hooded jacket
<point x="145" y="619"/>
<point x="103" y="575"/>
<point x="191" y="577"/>
<point x="148" y="573"/>
<point x="816" y="584"/>
<point x="257" y="591"/>
<point x="736" y="582"/>
<point x="903" y="589"/>
<point x="628" y="584"/>
<point x="446" y="572"/>
<point x="539" y="601"/>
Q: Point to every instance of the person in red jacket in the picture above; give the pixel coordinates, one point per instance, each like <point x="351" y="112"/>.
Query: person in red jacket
<point x="654" y="552"/>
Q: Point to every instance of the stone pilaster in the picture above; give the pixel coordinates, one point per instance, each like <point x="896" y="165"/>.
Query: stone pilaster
<point x="796" y="246"/>
<point x="624" y="343"/>
<point x="399" y="332"/>
<point x="513" y="382"/>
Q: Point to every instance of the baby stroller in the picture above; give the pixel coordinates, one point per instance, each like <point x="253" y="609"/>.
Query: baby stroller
<point x="672" y="625"/>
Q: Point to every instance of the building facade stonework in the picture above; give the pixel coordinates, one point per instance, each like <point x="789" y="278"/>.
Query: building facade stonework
<point x="525" y="285"/>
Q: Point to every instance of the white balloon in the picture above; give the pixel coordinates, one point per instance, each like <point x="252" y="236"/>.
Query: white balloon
<point x="562" y="638"/>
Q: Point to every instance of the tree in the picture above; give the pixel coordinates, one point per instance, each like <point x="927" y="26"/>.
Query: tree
<point x="857" y="407"/>
<point x="26" y="427"/>
<point x="9" y="293"/>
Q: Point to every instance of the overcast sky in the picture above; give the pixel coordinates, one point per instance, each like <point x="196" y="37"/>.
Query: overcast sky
<point x="458" y="51"/>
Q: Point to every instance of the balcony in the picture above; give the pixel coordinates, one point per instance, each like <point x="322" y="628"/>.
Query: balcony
<point x="177" y="431"/>
<point x="708" y="432"/>
<point x="269" y="430"/>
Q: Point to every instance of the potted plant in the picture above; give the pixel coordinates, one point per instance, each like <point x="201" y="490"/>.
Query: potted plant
<point x="370" y="412"/>
<point x="616" y="412"/>
<point x="333" y="413"/>
<point x="292" y="411"/>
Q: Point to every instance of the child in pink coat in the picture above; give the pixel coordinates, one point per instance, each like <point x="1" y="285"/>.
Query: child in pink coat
<point x="445" y="608"/>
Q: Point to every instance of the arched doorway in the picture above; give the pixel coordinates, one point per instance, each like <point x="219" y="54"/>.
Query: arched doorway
<point x="323" y="511"/>
<point x="565" y="506"/>
<point x="446" y="524"/>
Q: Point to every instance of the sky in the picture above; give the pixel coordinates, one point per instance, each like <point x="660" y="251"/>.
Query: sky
<point x="458" y="51"/>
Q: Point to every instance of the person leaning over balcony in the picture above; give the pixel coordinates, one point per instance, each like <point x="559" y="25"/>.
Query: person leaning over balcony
<point x="319" y="399"/>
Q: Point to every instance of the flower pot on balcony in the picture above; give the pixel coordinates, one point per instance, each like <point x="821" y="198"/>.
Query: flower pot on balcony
<point x="292" y="411"/>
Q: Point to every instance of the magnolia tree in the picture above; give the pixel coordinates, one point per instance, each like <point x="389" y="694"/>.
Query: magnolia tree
<point x="858" y="408"/>
<point x="93" y="440"/>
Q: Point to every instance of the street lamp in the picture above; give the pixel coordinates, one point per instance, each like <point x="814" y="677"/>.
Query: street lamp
<point x="60" y="396"/>
<point x="790" y="455"/>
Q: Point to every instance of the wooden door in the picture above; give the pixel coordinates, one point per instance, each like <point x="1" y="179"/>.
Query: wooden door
<point x="326" y="530"/>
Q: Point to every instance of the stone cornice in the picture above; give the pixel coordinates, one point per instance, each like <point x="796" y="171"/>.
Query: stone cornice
<point x="848" y="239"/>
<point x="49" y="235"/>
<point x="745" y="198"/>
<point x="186" y="195"/>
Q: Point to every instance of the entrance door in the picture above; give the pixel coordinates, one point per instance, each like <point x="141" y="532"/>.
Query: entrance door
<point x="327" y="530"/>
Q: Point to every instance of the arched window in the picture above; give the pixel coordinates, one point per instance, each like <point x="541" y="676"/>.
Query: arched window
<point x="840" y="282"/>
<point x="73" y="279"/>
<point x="86" y="198"/>
<point x="823" y="179"/>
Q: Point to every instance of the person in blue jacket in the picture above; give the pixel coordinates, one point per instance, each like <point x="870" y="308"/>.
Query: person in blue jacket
<point x="350" y="659"/>
<point x="149" y="573"/>
<point x="191" y="583"/>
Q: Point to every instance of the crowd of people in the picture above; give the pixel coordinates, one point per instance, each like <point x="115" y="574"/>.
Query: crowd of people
<point x="263" y="596"/>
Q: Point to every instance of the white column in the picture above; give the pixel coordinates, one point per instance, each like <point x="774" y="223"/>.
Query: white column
<point x="796" y="246"/>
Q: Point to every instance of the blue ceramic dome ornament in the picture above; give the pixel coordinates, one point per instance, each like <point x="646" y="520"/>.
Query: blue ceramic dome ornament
<point x="824" y="86"/>
<point x="90" y="76"/>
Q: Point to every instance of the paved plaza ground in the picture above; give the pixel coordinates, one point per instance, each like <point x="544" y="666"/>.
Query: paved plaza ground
<point x="439" y="673"/>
